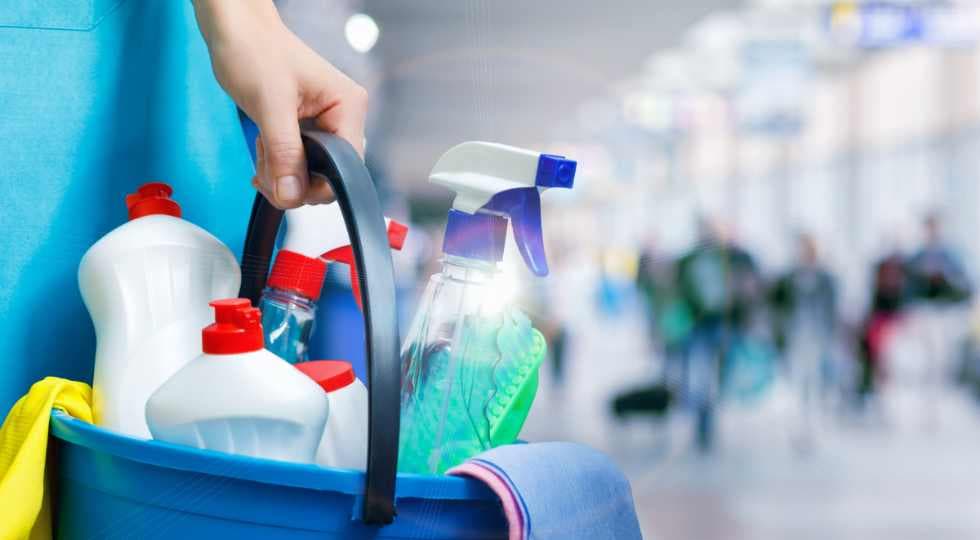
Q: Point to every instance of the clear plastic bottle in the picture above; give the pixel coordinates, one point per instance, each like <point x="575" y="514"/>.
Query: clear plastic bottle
<point x="470" y="361"/>
<point x="289" y="303"/>
<point x="288" y="319"/>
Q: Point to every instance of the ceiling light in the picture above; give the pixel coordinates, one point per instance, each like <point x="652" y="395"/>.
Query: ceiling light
<point x="361" y="32"/>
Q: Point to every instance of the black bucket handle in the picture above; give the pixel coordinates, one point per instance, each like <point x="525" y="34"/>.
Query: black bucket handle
<point x="336" y="160"/>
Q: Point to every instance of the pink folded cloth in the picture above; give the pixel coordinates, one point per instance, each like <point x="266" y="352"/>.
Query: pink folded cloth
<point x="513" y="509"/>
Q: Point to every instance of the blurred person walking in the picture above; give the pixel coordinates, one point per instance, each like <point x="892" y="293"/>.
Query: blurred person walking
<point x="804" y="306"/>
<point x="668" y="323"/>
<point x="888" y="300"/>
<point x="938" y="290"/>
<point x="720" y="285"/>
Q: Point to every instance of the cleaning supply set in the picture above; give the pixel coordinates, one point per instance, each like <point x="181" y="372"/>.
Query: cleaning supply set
<point x="470" y="360"/>
<point x="227" y="392"/>
<point x="469" y="363"/>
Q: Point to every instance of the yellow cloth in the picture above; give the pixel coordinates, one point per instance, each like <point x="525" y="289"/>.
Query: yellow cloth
<point x="26" y="511"/>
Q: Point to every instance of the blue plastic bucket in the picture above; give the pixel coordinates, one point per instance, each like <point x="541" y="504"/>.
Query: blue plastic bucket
<point x="113" y="486"/>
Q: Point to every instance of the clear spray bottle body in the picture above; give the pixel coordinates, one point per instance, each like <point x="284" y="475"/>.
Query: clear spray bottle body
<point x="468" y="355"/>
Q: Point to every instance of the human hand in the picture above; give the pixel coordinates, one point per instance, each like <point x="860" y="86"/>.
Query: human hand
<point x="277" y="80"/>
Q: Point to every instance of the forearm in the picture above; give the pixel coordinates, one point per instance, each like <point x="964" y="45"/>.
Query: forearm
<point x="222" y="20"/>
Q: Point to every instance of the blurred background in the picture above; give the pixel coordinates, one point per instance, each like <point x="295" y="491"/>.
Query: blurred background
<point x="761" y="302"/>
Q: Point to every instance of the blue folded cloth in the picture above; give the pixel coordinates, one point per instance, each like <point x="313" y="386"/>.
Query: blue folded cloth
<point x="557" y="490"/>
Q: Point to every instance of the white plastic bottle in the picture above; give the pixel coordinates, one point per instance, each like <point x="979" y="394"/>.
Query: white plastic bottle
<point x="147" y="284"/>
<point x="238" y="397"/>
<point x="344" y="442"/>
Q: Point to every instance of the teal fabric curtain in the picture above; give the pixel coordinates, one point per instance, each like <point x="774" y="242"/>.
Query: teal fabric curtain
<point x="97" y="97"/>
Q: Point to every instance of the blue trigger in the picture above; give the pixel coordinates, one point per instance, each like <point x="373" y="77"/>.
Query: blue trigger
<point x="523" y="206"/>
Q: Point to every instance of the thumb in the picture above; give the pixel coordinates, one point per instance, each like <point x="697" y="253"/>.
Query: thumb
<point x="281" y="173"/>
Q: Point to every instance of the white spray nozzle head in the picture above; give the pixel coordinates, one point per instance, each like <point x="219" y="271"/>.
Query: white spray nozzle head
<point x="495" y="183"/>
<point x="478" y="170"/>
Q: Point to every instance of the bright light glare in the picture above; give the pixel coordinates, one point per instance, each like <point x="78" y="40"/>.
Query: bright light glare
<point x="500" y="293"/>
<point x="361" y="32"/>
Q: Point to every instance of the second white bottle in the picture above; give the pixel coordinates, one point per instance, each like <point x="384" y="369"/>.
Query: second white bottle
<point x="238" y="397"/>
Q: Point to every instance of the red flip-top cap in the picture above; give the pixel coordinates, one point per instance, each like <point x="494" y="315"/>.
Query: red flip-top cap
<point x="329" y="374"/>
<point x="345" y="255"/>
<point x="152" y="198"/>
<point x="237" y="328"/>
<point x="396" y="234"/>
<point x="298" y="273"/>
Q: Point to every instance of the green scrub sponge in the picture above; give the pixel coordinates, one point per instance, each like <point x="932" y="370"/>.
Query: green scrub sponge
<point x="469" y="394"/>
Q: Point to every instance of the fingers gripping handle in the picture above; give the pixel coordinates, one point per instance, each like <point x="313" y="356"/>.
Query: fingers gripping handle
<point x="335" y="160"/>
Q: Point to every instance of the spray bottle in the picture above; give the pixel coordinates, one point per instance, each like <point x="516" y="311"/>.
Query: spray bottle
<point x="470" y="361"/>
<point x="315" y="235"/>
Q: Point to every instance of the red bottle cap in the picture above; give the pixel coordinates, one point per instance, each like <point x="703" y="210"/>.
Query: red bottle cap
<point x="298" y="273"/>
<point x="396" y="234"/>
<point x="237" y="328"/>
<point x="345" y="255"/>
<point x="152" y="198"/>
<point x="329" y="374"/>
